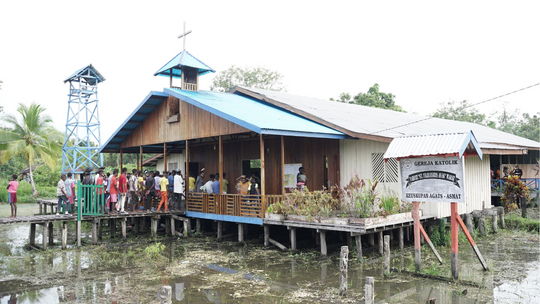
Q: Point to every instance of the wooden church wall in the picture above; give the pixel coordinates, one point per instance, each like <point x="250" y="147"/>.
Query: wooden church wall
<point x="310" y="152"/>
<point x="194" y="123"/>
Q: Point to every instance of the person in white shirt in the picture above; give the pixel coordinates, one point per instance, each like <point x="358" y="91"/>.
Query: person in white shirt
<point x="179" y="189"/>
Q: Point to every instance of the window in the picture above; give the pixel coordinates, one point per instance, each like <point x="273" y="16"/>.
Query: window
<point x="386" y="172"/>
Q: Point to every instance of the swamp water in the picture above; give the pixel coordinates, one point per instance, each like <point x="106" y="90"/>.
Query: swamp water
<point x="201" y="270"/>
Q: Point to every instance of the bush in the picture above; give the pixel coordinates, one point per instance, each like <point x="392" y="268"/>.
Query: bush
<point x="317" y="203"/>
<point x="517" y="222"/>
<point x="358" y="197"/>
<point x="439" y="236"/>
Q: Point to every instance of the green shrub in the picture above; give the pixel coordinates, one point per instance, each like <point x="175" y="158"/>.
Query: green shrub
<point x="515" y="221"/>
<point x="439" y="236"/>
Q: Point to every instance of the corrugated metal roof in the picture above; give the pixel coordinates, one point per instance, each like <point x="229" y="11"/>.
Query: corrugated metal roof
<point x="84" y="72"/>
<point x="254" y="115"/>
<point x="184" y="58"/>
<point x="433" y="145"/>
<point x="386" y="123"/>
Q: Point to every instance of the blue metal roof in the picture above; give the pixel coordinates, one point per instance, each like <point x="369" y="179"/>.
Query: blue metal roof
<point x="254" y="115"/>
<point x="152" y="100"/>
<point x="184" y="58"/>
<point x="92" y="75"/>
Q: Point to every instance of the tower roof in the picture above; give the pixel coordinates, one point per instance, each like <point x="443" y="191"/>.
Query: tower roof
<point x="183" y="59"/>
<point x="89" y="73"/>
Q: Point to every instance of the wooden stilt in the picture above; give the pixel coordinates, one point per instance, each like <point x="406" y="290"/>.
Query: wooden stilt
<point x="343" y="269"/>
<point x="198" y="225"/>
<point x="64" y="235"/>
<point x="358" y="239"/>
<point x="112" y="222"/>
<point x="173" y="228"/>
<point x="266" y="229"/>
<point x="324" y="249"/>
<point x="386" y="255"/>
<point x="167" y="225"/>
<point x="240" y="232"/>
<point x="78" y="232"/>
<point x="51" y="235"/>
<point x="187" y="227"/>
<point x="220" y="231"/>
<point x="468" y="221"/>
<point x="154" y="225"/>
<point x="94" y="231"/>
<point x="494" y="225"/>
<point x="401" y="241"/>
<point x="100" y="229"/>
<point x="277" y="244"/>
<point x="45" y="234"/>
<point x="369" y="290"/>
<point x="32" y="236"/>
<point x="381" y="243"/>
<point x="293" y="238"/>
<point x="124" y="229"/>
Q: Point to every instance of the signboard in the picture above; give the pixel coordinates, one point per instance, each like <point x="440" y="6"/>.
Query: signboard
<point x="432" y="179"/>
<point x="289" y="176"/>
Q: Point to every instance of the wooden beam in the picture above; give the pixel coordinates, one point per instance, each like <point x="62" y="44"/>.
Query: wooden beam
<point x="121" y="160"/>
<point x="282" y="166"/>
<point x="263" y="179"/>
<point x="186" y="174"/>
<point x="141" y="156"/>
<point x="220" y="166"/>
<point x="164" y="156"/>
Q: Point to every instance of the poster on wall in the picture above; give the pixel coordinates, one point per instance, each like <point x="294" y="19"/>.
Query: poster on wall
<point x="432" y="179"/>
<point x="289" y="176"/>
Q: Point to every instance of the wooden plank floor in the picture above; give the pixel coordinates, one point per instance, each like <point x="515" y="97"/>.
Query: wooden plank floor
<point x="68" y="218"/>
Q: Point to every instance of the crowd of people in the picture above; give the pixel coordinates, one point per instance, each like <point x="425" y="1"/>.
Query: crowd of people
<point x="139" y="191"/>
<point x="497" y="173"/>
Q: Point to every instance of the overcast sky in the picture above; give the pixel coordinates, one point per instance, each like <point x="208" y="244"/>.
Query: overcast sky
<point x="423" y="52"/>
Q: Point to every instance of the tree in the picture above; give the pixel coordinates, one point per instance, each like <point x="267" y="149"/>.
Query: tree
<point x="373" y="98"/>
<point x="528" y="126"/>
<point x="31" y="136"/>
<point x="462" y="112"/>
<point x="258" y="78"/>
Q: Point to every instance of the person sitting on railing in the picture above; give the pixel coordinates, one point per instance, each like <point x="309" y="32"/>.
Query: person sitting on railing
<point x="225" y="187"/>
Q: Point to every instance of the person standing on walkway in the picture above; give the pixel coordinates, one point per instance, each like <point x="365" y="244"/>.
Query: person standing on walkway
<point x="70" y="183"/>
<point x="150" y="190"/>
<point x="170" y="189"/>
<point x="134" y="188"/>
<point x="122" y="188"/>
<point x="163" y="185"/>
<point x="179" y="190"/>
<point x="12" y="194"/>
<point x="191" y="181"/>
<point x="61" y="193"/>
<point x="225" y="187"/>
<point x="114" y="192"/>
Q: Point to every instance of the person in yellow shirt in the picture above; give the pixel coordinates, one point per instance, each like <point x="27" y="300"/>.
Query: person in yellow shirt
<point x="163" y="183"/>
<point x="191" y="182"/>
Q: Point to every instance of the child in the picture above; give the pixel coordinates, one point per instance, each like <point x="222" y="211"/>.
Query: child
<point x="12" y="194"/>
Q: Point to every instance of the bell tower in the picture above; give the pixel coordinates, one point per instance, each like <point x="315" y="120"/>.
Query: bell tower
<point x="185" y="67"/>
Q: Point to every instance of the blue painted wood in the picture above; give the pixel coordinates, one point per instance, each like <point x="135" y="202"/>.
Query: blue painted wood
<point x="225" y="218"/>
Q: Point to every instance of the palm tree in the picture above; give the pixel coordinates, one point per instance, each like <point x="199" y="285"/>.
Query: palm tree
<point x="32" y="136"/>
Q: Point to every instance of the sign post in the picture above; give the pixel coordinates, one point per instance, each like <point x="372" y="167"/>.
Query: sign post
<point x="432" y="171"/>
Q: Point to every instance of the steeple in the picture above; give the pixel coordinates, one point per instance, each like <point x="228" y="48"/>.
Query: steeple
<point x="185" y="67"/>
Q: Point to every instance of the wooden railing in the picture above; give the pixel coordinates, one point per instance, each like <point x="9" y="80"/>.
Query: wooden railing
<point x="231" y="204"/>
<point x="91" y="200"/>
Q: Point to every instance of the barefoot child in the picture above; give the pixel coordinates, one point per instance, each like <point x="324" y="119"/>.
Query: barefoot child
<point x="12" y="194"/>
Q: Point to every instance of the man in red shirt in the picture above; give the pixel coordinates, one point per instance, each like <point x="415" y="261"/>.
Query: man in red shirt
<point x="113" y="191"/>
<point x="122" y="181"/>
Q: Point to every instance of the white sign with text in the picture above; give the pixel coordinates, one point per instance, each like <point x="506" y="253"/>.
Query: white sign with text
<point x="432" y="179"/>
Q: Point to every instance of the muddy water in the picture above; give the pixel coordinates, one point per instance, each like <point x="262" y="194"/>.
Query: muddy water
<point x="200" y="270"/>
